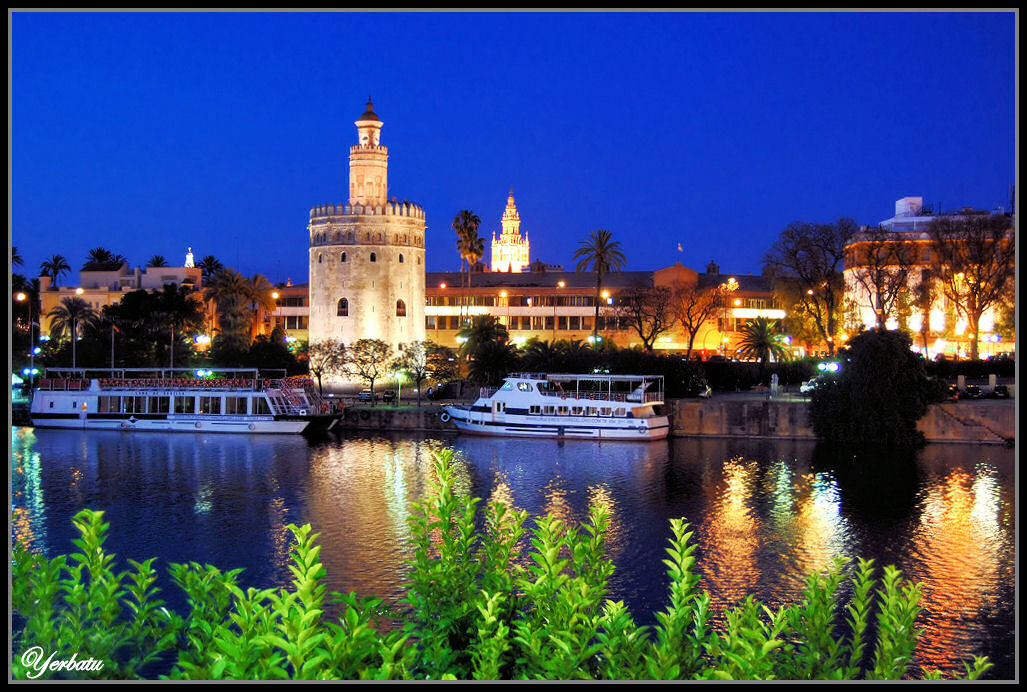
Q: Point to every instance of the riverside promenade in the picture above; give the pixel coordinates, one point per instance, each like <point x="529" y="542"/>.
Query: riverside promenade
<point x="737" y="414"/>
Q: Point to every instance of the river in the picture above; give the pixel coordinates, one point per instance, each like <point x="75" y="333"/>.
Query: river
<point x="765" y="514"/>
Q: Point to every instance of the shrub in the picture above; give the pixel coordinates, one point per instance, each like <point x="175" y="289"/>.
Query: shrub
<point x="474" y="610"/>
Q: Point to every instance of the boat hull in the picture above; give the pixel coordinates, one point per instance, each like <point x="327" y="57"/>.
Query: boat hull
<point x="191" y="424"/>
<point x="579" y="428"/>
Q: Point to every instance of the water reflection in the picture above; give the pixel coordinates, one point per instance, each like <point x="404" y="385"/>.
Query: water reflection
<point x="764" y="514"/>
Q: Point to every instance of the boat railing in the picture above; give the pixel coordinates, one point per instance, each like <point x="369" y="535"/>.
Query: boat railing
<point x="215" y="384"/>
<point x="486" y="392"/>
<point x="62" y="384"/>
<point x="629" y="397"/>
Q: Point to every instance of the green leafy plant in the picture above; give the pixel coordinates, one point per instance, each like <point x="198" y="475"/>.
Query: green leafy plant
<point x="487" y="599"/>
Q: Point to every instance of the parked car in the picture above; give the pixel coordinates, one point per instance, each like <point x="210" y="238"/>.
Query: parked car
<point x="1001" y="391"/>
<point x="367" y="396"/>
<point x="952" y="393"/>
<point x="972" y="391"/>
<point x="389" y="396"/>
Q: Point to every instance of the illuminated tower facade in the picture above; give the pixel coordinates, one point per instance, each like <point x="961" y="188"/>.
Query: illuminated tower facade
<point x="367" y="255"/>
<point x="510" y="250"/>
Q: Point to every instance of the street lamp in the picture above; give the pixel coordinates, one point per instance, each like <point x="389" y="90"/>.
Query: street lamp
<point x="278" y="310"/>
<point x="502" y="294"/>
<point x="22" y="297"/>
<point x="556" y="299"/>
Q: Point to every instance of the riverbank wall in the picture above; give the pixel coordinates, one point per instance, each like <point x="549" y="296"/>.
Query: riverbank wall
<point x="972" y="422"/>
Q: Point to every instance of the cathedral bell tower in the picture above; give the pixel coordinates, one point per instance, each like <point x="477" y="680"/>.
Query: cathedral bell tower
<point x="368" y="162"/>
<point x="510" y="250"/>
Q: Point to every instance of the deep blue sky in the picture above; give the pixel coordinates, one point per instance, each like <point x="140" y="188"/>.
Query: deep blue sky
<point x="147" y="133"/>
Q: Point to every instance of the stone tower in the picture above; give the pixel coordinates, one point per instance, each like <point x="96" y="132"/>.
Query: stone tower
<point x="367" y="255"/>
<point x="510" y="250"/>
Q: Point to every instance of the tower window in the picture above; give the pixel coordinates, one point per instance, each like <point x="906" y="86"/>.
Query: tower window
<point x="374" y="257"/>
<point x="343" y="308"/>
<point x="342" y="257"/>
<point x="320" y="258"/>
<point x="401" y="258"/>
<point x="401" y="309"/>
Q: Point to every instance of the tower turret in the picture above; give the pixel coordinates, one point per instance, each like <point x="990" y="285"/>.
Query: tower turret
<point x="510" y="250"/>
<point x="368" y="162"/>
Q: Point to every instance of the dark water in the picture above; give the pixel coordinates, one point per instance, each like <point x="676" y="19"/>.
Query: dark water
<point x="764" y="514"/>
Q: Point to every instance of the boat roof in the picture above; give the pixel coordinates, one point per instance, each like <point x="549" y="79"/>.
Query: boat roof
<point x="158" y="372"/>
<point x="602" y="377"/>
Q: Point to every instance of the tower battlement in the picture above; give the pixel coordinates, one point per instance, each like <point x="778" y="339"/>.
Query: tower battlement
<point x="327" y="211"/>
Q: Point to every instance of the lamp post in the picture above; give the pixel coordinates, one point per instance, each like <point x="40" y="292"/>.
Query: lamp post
<point x="502" y="294"/>
<point x="24" y="297"/>
<point x="278" y="311"/>
<point x="556" y="299"/>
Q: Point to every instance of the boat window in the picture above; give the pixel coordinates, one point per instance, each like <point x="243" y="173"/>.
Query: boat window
<point x="134" y="404"/>
<point x="159" y="404"/>
<point x="210" y="405"/>
<point x="524" y="386"/>
<point x="535" y="409"/>
<point x="561" y="410"/>
<point x="577" y="410"/>
<point x="235" y="404"/>
<point x="604" y="411"/>
<point x="260" y="406"/>
<point x="593" y="411"/>
<point x="550" y="410"/>
<point x="185" y="404"/>
<point x="507" y="387"/>
<point x="619" y="412"/>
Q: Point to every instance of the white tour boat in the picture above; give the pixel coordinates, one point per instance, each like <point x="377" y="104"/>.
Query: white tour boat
<point x="596" y="407"/>
<point x="179" y="400"/>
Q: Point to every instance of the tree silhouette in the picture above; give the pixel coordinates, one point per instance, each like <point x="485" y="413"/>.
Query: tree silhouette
<point x="603" y="255"/>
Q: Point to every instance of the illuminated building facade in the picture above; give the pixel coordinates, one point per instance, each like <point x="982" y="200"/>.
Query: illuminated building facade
<point x="367" y="255"/>
<point x="510" y="249"/>
<point x="909" y="229"/>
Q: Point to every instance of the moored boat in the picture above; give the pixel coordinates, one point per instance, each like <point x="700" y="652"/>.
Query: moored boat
<point x="597" y="407"/>
<point x="180" y="400"/>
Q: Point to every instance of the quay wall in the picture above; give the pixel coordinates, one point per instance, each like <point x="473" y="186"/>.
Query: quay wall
<point x="977" y="422"/>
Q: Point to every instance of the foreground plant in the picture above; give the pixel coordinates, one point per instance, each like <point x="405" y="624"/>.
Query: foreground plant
<point x="481" y="604"/>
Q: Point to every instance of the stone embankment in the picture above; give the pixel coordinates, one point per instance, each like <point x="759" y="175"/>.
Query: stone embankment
<point x="743" y="415"/>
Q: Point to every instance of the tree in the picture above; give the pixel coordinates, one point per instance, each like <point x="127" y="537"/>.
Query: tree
<point x="923" y="296"/>
<point x="760" y="339"/>
<point x="880" y="262"/>
<point x="878" y="396"/>
<point x="177" y="315"/>
<point x="811" y="257"/>
<point x="414" y="362"/>
<point x="157" y="261"/>
<point x="324" y="358"/>
<point x="261" y="301"/>
<point x="480" y="330"/>
<point x="493" y="360"/>
<point x="368" y="360"/>
<point x="603" y="254"/>
<point x="443" y="364"/>
<point x="66" y="319"/>
<point x="976" y="257"/>
<point x="210" y="267"/>
<point x="102" y="259"/>
<point x="54" y="267"/>
<point x="16" y="260"/>
<point x="694" y="305"/>
<point x="647" y="311"/>
<point x="230" y="292"/>
<point x="466" y="224"/>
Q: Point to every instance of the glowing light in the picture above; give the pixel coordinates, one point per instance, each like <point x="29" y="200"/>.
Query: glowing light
<point x="442" y="285"/>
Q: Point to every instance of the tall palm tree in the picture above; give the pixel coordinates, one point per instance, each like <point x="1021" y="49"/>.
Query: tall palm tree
<point x="230" y="292"/>
<point x="157" y="261"/>
<point x="466" y="224"/>
<point x="54" y="267"/>
<point x="100" y="258"/>
<point x="16" y="260"/>
<point x="178" y="312"/>
<point x="261" y="301"/>
<point x="66" y="319"/>
<point x="760" y="339"/>
<point x="210" y="266"/>
<point x="604" y="255"/>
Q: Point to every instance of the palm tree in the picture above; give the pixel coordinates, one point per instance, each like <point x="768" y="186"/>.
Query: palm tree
<point x="230" y="292"/>
<point x="210" y="267"/>
<point x="466" y="224"/>
<point x="157" y="261"/>
<point x="176" y="310"/>
<point x="260" y="299"/>
<point x="603" y="254"/>
<point x="760" y="339"/>
<point x="15" y="257"/>
<point x="54" y="267"/>
<point x="102" y="259"/>
<point x="482" y="329"/>
<point x="66" y="318"/>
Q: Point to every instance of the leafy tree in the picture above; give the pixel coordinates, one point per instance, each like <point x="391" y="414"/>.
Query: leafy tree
<point x="976" y="255"/>
<point x="54" y="267"/>
<point x="66" y="318"/>
<point x="880" y="262"/>
<point x="325" y="358"/>
<point x="647" y="311"/>
<point x="269" y="351"/>
<point x="811" y="256"/>
<point x="413" y="361"/>
<point x="694" y="305"/>
<point x="443" y="364"/>
<point x="368" y="360"/>
<point x="603" y="255"/>
<point x="878" y="396"/>
<point x="923" y="296"/>
<point x="760" y="339"/>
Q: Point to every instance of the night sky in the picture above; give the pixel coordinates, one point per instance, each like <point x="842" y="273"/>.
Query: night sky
<point x="147" y="133"/>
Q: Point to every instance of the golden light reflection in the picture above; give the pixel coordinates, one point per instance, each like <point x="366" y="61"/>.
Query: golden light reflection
<point x="729" y="564"/>
<point x="601" y="497"/>
<point x="557" y="505"/>
<point x="958" y="547"/>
